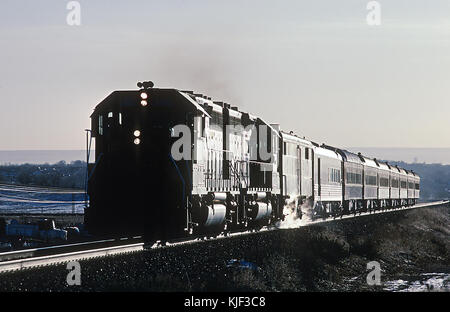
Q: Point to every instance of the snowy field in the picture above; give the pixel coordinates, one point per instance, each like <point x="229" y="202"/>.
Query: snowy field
<point x="423" y="282"/>
<point x="25" y="199"/>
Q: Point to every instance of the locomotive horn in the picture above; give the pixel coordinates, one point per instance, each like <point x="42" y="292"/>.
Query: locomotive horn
<point x="145" y="84"/>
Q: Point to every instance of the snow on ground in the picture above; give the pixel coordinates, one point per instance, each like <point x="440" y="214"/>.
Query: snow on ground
<point x="424" y="282"/>
<point x="23" y="199"/>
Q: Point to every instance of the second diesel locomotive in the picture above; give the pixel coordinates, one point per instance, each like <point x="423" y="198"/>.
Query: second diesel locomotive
<point x="238" y="171"/>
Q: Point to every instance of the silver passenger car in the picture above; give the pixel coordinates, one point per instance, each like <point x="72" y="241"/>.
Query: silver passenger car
<point x="384" y="172"/>
<point x="296" y="161"/>
<point x="328" y="166"/>
<point x="370" y="182"/>
<point x="403" y="187"/>
<point x="394" y="186"/>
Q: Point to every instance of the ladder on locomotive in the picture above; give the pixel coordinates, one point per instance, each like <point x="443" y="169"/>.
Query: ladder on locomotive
<point x="238" y="174"/>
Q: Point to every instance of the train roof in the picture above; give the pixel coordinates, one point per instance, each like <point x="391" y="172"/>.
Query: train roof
<point x="368" y="161"/>
<point x="402" y="171"/>
<point x="293" y="137"/>
<point x="346" y="155"/>
<point x="410" y="173"/>
<point x="110" y="101"/>
<point x="121" y="98"/>
<point x="327" y="153"/>
<point x="197" y="105"/>
<point x="271" y="127"/>
<point x="234" y="111"/>
<point x="394" y="168"/>
<point x="382" y="164"/>
<point x="350" y="157"/>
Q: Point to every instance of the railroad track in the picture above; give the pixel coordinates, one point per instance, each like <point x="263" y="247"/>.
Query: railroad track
<point x="68" y="248"/>
<point x="67" y="257"/>
<point x="62" y="254"/>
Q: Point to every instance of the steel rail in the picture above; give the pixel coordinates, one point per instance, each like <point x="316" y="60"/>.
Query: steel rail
<point x="50" y="250"/>
<point x="67" y="257"/>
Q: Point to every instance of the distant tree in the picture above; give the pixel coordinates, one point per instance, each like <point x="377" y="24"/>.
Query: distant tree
<point x="61" y="163"/>
<point x="78" y="163"/>
<point x="24" y="174"/>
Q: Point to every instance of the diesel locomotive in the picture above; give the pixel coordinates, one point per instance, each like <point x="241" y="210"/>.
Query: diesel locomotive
<point x="171" y="163"/>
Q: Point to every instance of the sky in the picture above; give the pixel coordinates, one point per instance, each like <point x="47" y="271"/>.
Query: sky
<point x="315" y="67"/>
